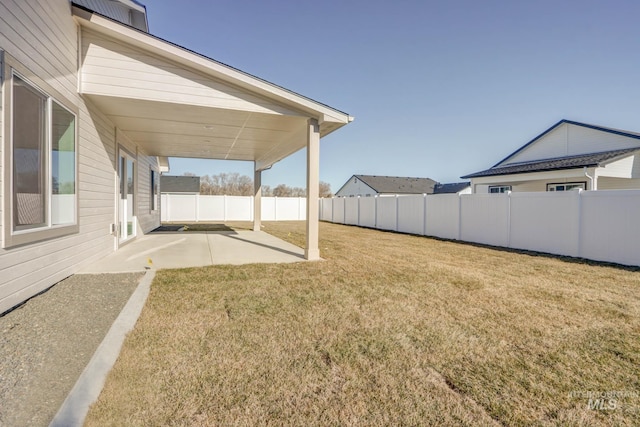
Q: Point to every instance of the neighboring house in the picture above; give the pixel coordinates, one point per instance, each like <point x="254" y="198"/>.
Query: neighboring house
<point x="92" y="106"/>
<point x="567" y="156"/>
<point x="180" y="184"/>
<point x="371" y="185"/>
<point x="453" y="188"/>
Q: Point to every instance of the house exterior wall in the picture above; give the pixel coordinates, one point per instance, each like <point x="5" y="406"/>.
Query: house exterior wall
<point x="147" y="219"/>
<point x="623" y="174"/>
<point x="570" y="140"/>
<point x="606" y="183"/>
<point x="629" y="167"/>
<point x="42" y="36"/>
<point x="527" y="182"/>
<point x="355" y="187"/>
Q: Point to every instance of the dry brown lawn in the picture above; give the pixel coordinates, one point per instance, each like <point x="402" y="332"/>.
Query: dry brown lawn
<point x="390" y="329"/>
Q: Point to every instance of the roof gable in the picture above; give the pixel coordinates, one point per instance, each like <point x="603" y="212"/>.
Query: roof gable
<point x="568" y="138"/>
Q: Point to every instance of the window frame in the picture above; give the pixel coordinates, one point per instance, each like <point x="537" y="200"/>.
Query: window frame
<point x="10" y="67"/>
<point x="582" y="185"/>
<point x="506" y="188"/>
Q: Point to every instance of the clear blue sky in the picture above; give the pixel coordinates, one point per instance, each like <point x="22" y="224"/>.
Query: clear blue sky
<point x="438" y="89"/>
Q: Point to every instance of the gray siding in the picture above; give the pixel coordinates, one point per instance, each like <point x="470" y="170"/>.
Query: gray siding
<point x="42" y="36"/>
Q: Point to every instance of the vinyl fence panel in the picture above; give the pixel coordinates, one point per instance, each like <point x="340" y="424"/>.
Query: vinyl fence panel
<point x="210" y="208"/>
<point x="610" y="226"/>
<point x="268" y="209"/>
<point x="368" y="212"/>
<point x="443" y="216"/>
<point x="485" y="219"/>
<point x="546" y="222"/>
<point x="195" y="207"/>
<point x="326" y="209"/>
<point x="289" y="208"/>
<point x="411" y="214"/>
<point x="338" y="210"/>
<point x="386" y="213"/>
<point x="351" y="210"/>
<point x="182" y="207"/>
<point x="238" y="208"/>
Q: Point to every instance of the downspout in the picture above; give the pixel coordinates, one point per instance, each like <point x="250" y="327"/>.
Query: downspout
<point x="593" y="179"/>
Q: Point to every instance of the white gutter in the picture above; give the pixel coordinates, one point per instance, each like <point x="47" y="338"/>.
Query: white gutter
<point x="593" y="179"/>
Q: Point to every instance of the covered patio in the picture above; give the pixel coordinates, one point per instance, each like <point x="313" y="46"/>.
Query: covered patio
<point x="172" y="102"/>
<point x="182" y="248"/>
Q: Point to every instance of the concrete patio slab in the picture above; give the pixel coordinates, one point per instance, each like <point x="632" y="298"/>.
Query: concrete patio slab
<point x="158" y="250"/>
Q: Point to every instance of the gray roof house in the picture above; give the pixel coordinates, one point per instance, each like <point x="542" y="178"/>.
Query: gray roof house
<point x="372" y="185"/>
<point x="180" y="184"/>
<point x="567" y="156"/>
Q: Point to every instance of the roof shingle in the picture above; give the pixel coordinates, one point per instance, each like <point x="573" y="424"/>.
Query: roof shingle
<point x="572" y="162"/>
<point x="398" y="184"/>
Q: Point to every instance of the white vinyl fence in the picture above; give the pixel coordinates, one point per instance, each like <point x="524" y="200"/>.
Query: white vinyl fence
<point x="597" y="225"/>
<point x="195" y="208"/>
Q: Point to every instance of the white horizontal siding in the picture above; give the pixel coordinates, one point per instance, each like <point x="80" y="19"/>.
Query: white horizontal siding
<point x="553" y="144"/>
<point x="113" y="69"/>
<point x="147" y="219"/>
<point x="622" y="168"/>
<point x="42" y="36"/>
<point x="571" y="140"/>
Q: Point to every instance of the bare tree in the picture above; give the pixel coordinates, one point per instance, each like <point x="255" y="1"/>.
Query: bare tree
<point x="234" y="184"/>
<point x="325" y="189"/>
<point x="282" y="190"/>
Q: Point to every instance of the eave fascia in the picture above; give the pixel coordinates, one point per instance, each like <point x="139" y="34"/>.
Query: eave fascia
<point x="532" y="176"/>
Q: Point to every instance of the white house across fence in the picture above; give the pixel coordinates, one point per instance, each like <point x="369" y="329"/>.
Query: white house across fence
<point x="196" y="207"/>
<point x="596" y="225"/>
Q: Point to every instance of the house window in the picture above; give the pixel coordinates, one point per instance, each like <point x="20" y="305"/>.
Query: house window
<point x="495" y="189"/>
<point x="41" y="173"/>
<point x="154" y="190"/>
<point x="567" y="186"/>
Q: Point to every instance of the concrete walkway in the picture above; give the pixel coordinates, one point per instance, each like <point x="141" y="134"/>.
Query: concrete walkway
<point x="181" y="249"/>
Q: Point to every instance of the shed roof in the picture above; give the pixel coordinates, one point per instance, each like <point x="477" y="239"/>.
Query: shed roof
<point x="398" y="184"/>
<point x="571" y="162"/>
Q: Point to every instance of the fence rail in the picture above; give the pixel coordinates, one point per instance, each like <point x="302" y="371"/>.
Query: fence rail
<point x="196" y="207"/>
<point x="597" y="225"/>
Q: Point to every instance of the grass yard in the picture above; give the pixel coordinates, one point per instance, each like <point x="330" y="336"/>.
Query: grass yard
<point x="390" y="329"/>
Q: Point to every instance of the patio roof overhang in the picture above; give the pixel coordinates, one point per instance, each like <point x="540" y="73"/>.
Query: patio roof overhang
<point x="174" y="102"/>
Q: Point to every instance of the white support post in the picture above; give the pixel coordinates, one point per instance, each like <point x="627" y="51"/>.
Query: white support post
<point x="275" y="208"/>
<point x="197" y="207"/>
<point x="424" y="215"/>
<point x="257" y="200"/>
<point x="312" y="251"/>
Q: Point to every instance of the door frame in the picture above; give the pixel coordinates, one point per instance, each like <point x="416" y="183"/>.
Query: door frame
<point x="122" y="221"/>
